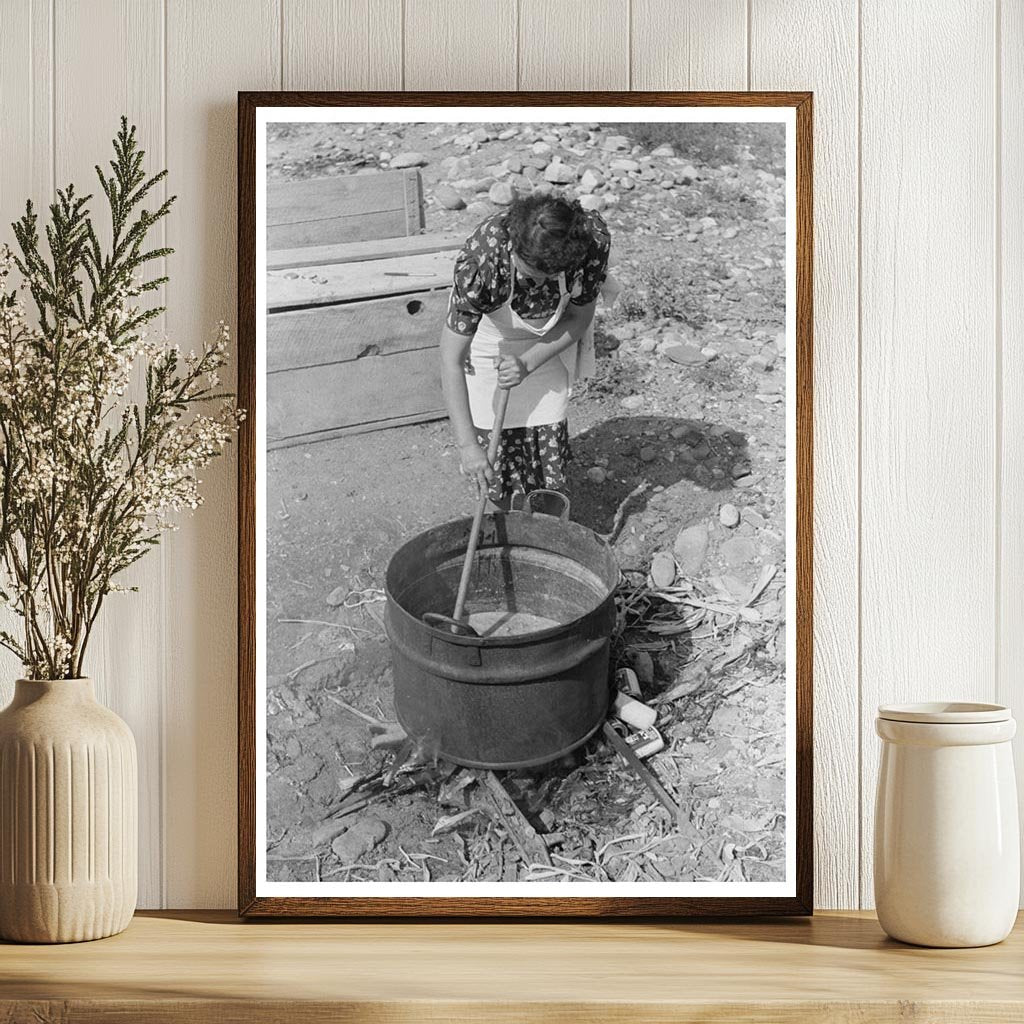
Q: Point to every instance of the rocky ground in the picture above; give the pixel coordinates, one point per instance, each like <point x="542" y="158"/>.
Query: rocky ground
<point x="688" y="404"/>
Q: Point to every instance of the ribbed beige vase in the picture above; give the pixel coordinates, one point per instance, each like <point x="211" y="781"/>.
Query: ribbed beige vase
<point x="68" y="815"/>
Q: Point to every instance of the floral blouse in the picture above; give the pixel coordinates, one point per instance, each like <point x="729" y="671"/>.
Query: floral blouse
<point x="483" y="276"/>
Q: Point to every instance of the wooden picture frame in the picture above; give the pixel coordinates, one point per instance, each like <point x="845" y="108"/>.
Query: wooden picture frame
<point x="798" y="900"/>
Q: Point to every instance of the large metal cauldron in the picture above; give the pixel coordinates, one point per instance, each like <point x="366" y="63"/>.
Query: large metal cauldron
<point x="504" y="700"/>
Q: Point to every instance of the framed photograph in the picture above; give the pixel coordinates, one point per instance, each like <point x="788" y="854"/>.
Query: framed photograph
<point x="525" y="504"/>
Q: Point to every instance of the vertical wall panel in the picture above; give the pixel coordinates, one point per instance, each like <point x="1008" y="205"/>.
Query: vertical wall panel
<point x="780" y="59"/>
<point x="342" y="44"/>
<point x="1011" y="253"/>
<point x="574" y="44"/>
<point x="928" y="416"/>
<point x="26" y="118"/>
<point x="468" y="45"/>
<point x="125" y="655"/>
<point x="213" y="51"/>
<point x="700" y="44"/>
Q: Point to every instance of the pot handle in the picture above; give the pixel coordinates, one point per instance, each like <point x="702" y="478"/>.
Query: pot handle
<point x="547" y="502"/>
<point x="455" y="626"/>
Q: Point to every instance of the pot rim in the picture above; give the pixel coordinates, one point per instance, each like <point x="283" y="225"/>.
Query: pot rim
<point x="945" y="712"/>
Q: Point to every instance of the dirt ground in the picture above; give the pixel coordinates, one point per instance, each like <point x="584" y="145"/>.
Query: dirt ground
<point x="689" y="399"/>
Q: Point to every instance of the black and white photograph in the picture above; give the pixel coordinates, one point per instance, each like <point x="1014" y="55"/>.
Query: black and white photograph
<point x="525" y="502"/>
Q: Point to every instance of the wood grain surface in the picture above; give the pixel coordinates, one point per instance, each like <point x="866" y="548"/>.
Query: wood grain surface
<point x="200" y="967"/>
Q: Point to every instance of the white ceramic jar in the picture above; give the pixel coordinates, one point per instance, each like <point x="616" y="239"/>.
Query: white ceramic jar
<point x="947" y="846"/>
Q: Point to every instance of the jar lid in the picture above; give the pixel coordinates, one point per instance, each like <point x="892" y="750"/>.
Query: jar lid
<point x="944" y="713"/>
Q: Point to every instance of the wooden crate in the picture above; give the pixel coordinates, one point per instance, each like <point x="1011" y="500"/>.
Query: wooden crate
<point x="353" y="320"/>
<point x="344" y="208"/>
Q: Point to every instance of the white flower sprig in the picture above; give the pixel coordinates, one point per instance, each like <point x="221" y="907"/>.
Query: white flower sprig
<point x="89" y="478"/>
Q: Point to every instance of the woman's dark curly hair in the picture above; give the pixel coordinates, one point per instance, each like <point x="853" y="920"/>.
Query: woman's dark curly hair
<point x="549" y="232"/>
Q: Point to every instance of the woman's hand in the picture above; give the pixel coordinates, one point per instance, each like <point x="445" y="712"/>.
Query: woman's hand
<point x="474" y="464"/>
<point x="511" y="371"/>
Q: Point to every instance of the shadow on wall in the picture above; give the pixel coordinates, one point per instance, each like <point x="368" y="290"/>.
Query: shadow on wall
<point x="611" y="458"/>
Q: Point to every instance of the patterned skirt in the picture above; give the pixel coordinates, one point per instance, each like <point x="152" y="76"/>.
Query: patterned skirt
<point x="529" y="458"/>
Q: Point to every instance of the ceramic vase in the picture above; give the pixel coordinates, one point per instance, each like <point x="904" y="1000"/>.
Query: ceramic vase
<point x="947" y="846"/>
<point x="68" y="815"/>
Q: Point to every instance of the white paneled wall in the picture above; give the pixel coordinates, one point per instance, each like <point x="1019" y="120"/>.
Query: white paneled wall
<point x="919" y="317"/>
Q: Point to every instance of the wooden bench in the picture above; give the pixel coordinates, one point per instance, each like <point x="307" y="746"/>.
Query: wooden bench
<point x="356" y="297"/>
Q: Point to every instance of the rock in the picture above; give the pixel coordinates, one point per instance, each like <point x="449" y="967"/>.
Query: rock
<point x="679" y="432"/>
<point x="482" y="184"/>
<point x="763" y="361"/>
<point x="597" y="475"/>
<point x="628" y="551"/>
<point x="754" y="518"/>
<point x="740" y="469"/>
<point x="685" y="355"/>
<point x="558" y="173"/>
<point x="479" y="209"/>
<point x="729" y="515"/>
<point x="514" y="164"/>
<point x="663" y="151"/>
<point x="632" y="402"/>
<point x="541" y="148"/>
<point x="459" y="169"/>
<point x="701" y="450"/>
<point x="738" y="550"/>
<point x="648" y="454"/>
<point x="359" y="840"/>
<point x="627" y="184"/>
<point x="663" y="570"/>
<point x="480" y="135"/>
<point x="336" y="598"/>
<point x="643" y="663"/>
<point x="409" y="160"/>
<point x="624" y="166"/>
<point x="690" y="548"/>
<point x="616" y="143"/>
<point x="501" y="193"/>
<point x="780" y="343"/>
<point x="463" y="141"/>
<point x="730" y="232"/>
<point x="591" y="179"/>
<point x="680" y="336"/>
<point x="592" y="202"/>
<point x="508" y="133"/>
<point x="449" y="198"/>
<point x="726" y="720"/>
<point x="648" y="344"/>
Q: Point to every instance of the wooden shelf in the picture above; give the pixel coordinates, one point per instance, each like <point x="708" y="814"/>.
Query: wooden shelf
<point x="203" y="967"/>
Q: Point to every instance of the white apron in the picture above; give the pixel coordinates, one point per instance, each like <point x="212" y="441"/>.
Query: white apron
<point x="543" y="396"/>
